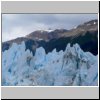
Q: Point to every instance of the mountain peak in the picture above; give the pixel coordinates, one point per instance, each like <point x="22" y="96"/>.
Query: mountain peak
<point x="58" y="38"/>
<point x="89" y="24"/>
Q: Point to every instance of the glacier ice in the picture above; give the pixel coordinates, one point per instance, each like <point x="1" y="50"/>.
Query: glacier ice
<point x="72" y="67"/>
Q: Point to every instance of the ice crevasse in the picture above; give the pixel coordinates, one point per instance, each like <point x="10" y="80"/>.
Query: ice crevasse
<point x="72" y="67"/>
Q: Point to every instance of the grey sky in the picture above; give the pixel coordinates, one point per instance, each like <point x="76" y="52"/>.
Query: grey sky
<point x="17" y="25"/>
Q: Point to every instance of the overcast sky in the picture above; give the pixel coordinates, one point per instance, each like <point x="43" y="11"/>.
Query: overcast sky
<point x="17" y="25"/>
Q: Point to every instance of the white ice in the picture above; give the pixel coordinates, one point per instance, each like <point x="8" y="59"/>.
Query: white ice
<point x="72" y="67"/>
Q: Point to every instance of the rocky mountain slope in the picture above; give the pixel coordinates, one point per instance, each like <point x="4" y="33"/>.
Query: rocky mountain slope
<point x="86" y="35"/>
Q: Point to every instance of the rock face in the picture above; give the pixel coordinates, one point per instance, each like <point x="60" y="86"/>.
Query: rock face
<point x="84" y="34"/>
<point x="71" y="67"/>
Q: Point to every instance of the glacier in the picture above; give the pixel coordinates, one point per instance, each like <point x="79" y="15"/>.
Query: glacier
<point x="72" y="67"/>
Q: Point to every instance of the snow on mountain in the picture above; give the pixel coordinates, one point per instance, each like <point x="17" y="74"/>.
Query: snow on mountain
<point x="71" y="67"/>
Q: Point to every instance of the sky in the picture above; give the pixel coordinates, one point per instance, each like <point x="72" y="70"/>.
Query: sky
<point x="19" y="25"/>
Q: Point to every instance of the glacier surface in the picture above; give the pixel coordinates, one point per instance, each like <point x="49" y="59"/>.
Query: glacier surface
<point x="72" y="67"/>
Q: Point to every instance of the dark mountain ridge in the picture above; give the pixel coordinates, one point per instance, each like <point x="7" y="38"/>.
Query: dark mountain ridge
<point x="86" y="35"/>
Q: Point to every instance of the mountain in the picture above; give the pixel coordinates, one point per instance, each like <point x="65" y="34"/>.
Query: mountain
<point x="90" y="26"/>
<point x="71" y="67"/>
<point x="86" y="35"/>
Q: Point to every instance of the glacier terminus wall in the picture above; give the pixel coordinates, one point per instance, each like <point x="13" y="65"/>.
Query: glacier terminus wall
<point x="72" y="67"/>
